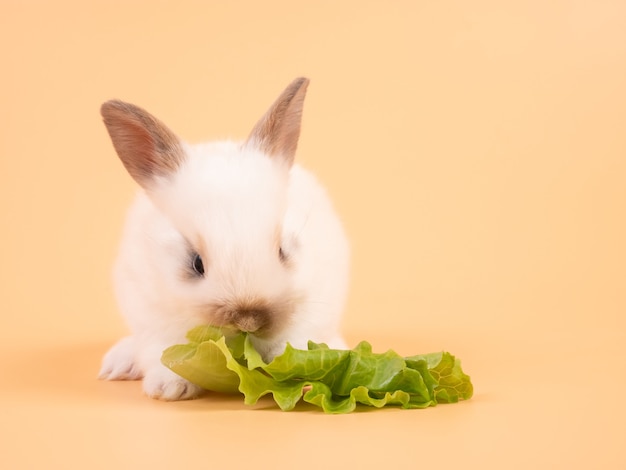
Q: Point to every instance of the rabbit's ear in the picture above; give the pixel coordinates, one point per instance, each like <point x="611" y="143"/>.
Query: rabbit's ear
<point x="276" y="134"/>
<point x="145" y="145"/>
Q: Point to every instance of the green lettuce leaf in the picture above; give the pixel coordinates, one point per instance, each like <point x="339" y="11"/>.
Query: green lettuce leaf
<point x="335" y="380"/>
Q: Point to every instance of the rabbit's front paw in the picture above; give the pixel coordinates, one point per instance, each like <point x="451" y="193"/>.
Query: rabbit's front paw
<point x="119" y="362"/>
<point x="164" y="384"/>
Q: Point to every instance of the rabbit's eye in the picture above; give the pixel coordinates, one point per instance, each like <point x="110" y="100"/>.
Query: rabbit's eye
<point x="197" y="265"/>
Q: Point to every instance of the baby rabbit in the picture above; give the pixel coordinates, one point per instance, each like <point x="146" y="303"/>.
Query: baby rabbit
<point x="222" y="233"/>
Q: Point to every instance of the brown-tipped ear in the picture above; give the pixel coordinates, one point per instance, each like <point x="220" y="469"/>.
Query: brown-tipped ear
<point x="277" y="132"/>
<point x="145" y="145"/>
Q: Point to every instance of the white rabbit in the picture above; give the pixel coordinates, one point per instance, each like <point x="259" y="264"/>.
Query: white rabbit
<point x="224" y="234"/>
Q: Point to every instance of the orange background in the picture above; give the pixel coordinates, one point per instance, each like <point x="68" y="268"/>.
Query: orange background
<point x="476" y="151"/>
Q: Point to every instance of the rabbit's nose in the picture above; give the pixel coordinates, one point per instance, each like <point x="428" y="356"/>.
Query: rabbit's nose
<point x="251" y="320"/>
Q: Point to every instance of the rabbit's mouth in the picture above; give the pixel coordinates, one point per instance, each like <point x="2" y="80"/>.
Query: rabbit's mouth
<point x="259" y="317"/>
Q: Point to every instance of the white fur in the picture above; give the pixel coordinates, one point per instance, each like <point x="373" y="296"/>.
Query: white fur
<point x="229" y="199"/>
